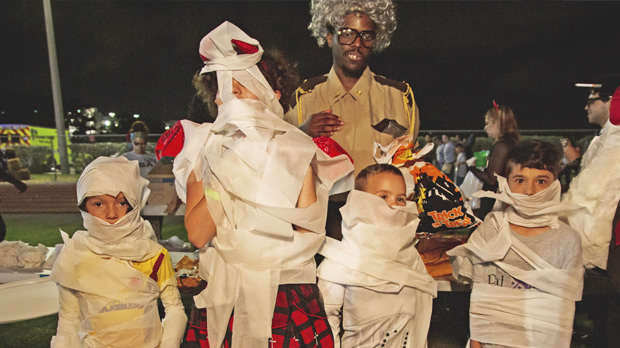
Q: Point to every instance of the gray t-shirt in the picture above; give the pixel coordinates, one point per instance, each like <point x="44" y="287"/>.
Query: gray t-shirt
<point x="462" y="168"/>
<point x="146" y="161"/>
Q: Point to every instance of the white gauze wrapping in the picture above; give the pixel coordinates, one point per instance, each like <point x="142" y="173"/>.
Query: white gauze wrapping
<point x="541" y="316"/>
<point x="221" y="57"/>
<point x="96" y="262"/>
<point x="540" y="209"/>
<point x="377" y="250"/>
<point x="597" y="188"/>
<point x="252" y="164"/>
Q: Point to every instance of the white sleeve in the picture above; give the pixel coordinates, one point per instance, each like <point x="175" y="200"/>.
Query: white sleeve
<point x="333" y="298"/>
<point x="175" y="320"/>
<point x="67" y="333"/>
<point x="190" y="158"/>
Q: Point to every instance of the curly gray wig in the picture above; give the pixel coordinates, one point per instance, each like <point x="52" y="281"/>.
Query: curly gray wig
<point x="330" y="13"/>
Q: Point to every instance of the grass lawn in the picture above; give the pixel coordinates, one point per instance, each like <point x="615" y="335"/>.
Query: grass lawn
<point x="43" y="228"/>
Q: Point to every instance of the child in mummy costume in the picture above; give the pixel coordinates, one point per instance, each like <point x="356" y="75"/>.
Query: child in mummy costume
<point x="111" y="275"/>
<point x="374" y="282"/>
<point x="256" y="191"/>
<point x="525" y="265"/>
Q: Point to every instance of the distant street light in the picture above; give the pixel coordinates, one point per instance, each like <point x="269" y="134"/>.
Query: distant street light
<point x="112" y="114"/>
<point x="136" y="116"/>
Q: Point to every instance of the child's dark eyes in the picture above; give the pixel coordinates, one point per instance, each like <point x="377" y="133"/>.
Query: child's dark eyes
<point x="124" y="203"/>
<point x="542" y="181"/>
<point x="98" y="204"/>
<point x="401" y="199"/>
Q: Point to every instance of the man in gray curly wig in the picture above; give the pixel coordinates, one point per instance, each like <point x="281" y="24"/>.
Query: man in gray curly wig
<point x="330" y="14"/>
<point x="351" y="104"/>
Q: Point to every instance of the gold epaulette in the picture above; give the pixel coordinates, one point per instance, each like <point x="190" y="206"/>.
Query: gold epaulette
<point x="306" y="87"/>
<point x="408" y="98"/>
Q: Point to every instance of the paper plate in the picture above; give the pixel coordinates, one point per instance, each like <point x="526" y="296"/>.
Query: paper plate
<point x="27" y="299"/>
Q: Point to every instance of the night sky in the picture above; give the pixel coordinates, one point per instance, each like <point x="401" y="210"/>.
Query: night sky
<point x="139" y="56"/>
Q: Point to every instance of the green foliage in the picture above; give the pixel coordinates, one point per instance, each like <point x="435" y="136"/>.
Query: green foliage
<point x="38" y="158"/>
<point x="50" y="178"/>
<point x="35" y="158"/>
<point x="483" y="143"/>
<point x="83" y="154"/>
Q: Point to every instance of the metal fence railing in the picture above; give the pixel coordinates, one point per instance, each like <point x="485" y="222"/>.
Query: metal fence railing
<point x="575" y="133"/>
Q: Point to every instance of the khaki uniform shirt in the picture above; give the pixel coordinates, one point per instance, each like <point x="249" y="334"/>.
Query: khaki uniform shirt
<point x="372" y="99"/>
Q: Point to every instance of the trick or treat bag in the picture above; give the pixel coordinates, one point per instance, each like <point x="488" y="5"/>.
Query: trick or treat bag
<point x="445" y="221"/>
<point x="440" y="203"/>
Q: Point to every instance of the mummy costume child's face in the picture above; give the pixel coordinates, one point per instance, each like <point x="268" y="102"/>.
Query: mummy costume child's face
<point x="529" y="181"/>
<point x="239" y="91"/>
<point x="108" y="208"/>
<point x="390" y="187"/>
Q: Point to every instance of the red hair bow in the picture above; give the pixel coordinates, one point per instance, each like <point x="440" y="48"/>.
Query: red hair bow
<point x="244" y="46"/>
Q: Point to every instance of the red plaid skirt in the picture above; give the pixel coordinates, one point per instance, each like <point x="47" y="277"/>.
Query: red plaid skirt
<point x="299" y="320"/>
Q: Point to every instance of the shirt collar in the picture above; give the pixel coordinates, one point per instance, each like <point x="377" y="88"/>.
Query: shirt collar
<point x="359" y="92"/>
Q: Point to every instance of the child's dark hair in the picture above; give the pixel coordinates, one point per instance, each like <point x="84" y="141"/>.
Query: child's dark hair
<point x="536" y="154"/>
<point x="278" y="71"/>
<point x="459" y="145"/>
<point x="361" y="180"/>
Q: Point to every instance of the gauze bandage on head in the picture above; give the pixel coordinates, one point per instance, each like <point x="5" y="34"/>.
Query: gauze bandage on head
<point x="111" y="176"/>
<point x="540" y="209"/>
<point x="220" y="51"/>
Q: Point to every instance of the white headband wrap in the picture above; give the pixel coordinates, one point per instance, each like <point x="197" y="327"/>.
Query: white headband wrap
<point x="111" y="176"/>
<point x="220" y="54"/>
<point x="540" y="209"/>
